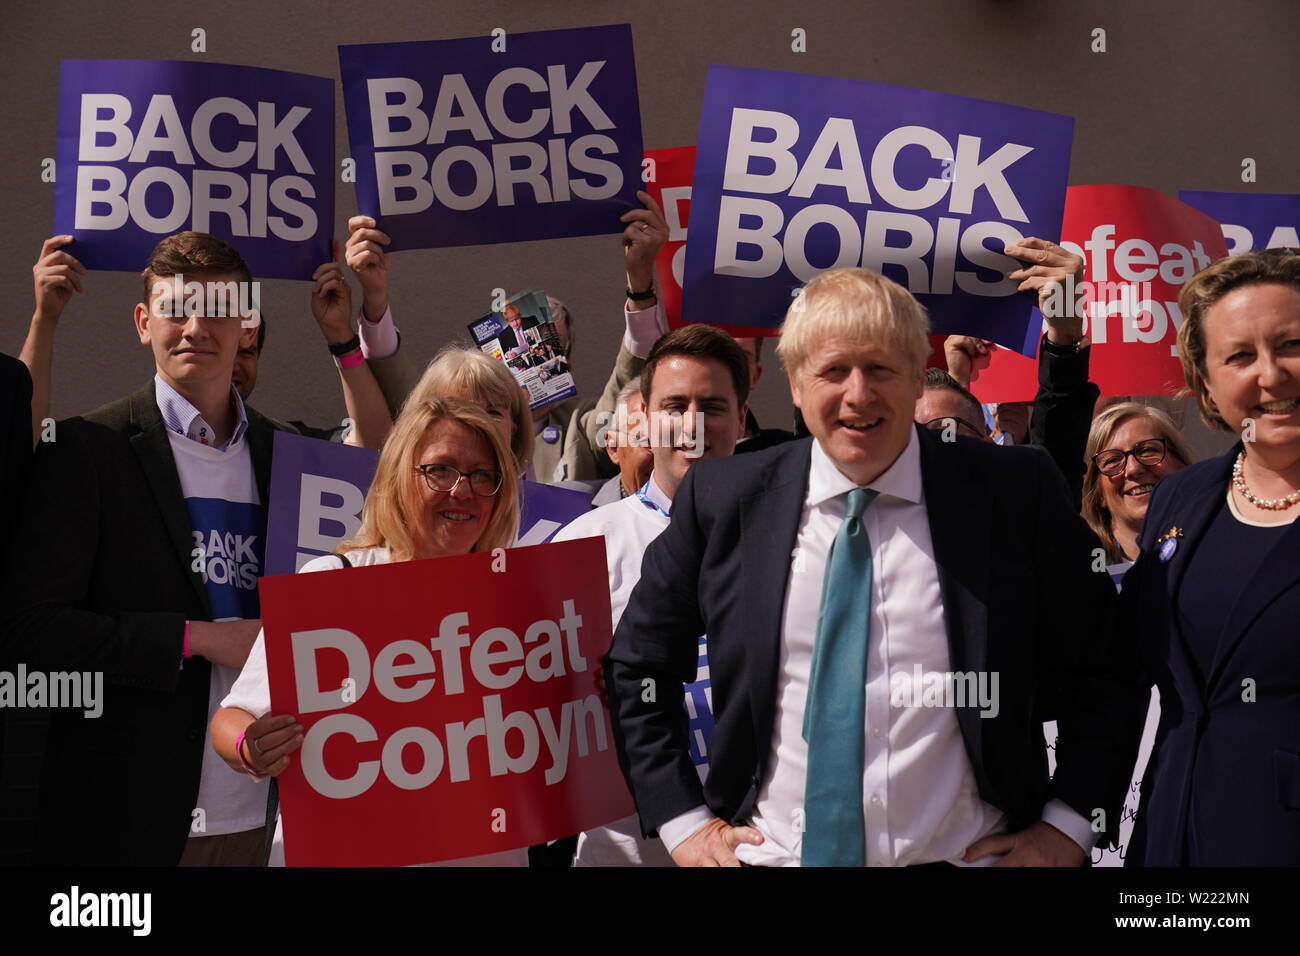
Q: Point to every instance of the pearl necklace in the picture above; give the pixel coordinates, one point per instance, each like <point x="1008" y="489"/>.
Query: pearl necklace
<point x="1268" y="504"/>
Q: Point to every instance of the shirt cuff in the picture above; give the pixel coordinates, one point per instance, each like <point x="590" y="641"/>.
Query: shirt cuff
<point x="675" y="831"/>
<point x="1077" y="828"/>
<point x="644" y="327"/>
<point x="378" y="339"/>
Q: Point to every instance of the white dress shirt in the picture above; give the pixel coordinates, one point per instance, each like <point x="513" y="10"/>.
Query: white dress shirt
<point x="628" y="526"/>
<point x="920" y="800"/>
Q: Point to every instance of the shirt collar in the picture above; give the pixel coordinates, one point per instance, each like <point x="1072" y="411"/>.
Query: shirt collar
<point x="184" y="419"/>
<point x="657" y="496"/>
<point x="901" y="480"/>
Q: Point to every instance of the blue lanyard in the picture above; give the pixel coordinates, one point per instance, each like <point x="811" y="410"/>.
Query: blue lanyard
<point x="645" y="500"/>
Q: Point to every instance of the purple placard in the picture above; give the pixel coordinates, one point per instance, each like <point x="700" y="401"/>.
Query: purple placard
<point x="318" y="487"/>
<point x="796" y="174"/>
<point x="1250" y="220"/>
<point x="534" y="135"/>
<point x="545" y="509"/>
<point x="149" y="148"/>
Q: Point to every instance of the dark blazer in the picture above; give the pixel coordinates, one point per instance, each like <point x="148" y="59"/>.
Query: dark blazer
<point x="22" y="732"/>
<point x="98" y="578"/>
<point x="1230" y="763"/>
<point x="759" y="437"/>
<point x="509" y="340"/>
<point x="1020" y="598"/>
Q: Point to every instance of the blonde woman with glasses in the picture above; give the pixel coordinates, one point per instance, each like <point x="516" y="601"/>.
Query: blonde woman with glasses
<point x="445" y="485"/>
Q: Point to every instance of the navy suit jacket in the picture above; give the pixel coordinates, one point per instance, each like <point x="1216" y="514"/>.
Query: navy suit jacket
<point x="1225" y="770"/>
<point x="1020" y="597"/>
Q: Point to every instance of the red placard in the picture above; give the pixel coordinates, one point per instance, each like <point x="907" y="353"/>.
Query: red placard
<point x="1140" y="247"/>
<point x="671" y="188"/>
<point x="472" y="723"/>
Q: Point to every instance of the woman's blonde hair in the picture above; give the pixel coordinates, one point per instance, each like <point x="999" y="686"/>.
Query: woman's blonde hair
<point x="1103" y="430"/>
<point x="459" y="371"/>
<point x="1272" y="266"/>
<point x="854" y="304"/>
<point x="391" y="515"/>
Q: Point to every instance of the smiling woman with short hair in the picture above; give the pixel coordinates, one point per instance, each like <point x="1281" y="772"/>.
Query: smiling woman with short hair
<point x="1213" y="601"/>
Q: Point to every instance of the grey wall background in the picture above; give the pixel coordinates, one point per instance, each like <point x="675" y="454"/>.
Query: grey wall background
<point x="1184" y="92"/>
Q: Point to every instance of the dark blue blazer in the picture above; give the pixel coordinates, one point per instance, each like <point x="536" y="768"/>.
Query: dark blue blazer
<point x="1020" y="597"/>
<point x="1225" y="771"/>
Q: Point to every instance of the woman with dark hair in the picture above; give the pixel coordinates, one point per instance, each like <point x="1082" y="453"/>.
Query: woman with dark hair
<point x="1213" y="601"/>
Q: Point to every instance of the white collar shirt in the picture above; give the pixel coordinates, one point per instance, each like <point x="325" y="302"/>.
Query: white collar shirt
<point x="920" y="801"/>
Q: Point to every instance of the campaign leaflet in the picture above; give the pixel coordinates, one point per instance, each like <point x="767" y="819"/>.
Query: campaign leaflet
<point x="524" y="337"/>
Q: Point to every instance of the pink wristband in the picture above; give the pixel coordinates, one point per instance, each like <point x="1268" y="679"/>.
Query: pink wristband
<point x="185" y="648"/>
<point x="351" y="360"/>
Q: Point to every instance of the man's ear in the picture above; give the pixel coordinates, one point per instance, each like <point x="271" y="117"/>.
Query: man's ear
<point x="758" y="375"/>
<point x="141" y="320"/>
<point x="744" y="417"/>
<point x="248" y="331"/>
<point x="794" y="387"/>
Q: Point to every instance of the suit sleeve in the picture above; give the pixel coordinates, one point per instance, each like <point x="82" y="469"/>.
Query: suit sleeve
<point x="654" y="653"/>
<point x="47" y="572"/>
<point x="1138" y="583"/>
<point x="594" y="422"/>
<point x="396" y="378"/>
<point x="1062" y="414"/>
<point x="1092" y="671"/>
<point x="15" y="426"/>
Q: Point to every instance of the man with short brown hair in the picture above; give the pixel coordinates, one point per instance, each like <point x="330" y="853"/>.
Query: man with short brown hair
<point x="136" y="555"/>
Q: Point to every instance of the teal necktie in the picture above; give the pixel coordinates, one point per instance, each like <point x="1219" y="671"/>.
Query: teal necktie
<point x="835" y="712"/>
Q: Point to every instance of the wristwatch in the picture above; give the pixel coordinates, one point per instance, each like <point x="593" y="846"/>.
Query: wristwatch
<point x="343" y="348"/>
<point x="641" y="296"/>
<point x="1057" y="348"/>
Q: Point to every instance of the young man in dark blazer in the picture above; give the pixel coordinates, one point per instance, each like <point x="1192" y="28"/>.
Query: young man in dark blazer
<point x="109" y="571"/>
<point x="890" y="616"/>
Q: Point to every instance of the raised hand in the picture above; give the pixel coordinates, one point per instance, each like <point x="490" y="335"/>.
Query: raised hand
<point x="365" y="256"/>
<point x="644" y="236"/>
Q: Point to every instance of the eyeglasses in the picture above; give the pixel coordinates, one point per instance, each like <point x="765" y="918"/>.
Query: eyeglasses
<point x="939" y="424"/>
<point x="444" y="479"/>
<point x="1113" y="461"/>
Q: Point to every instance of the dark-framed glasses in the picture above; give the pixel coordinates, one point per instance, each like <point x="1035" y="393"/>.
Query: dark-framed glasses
<point x="444" y="479"/>
<point x="1113" y="461"/>
<point x="949" y="421"/>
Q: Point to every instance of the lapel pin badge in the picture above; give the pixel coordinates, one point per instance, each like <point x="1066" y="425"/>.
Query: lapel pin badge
<point x="550" y="434"/>
<point x="1168" y="543"/>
